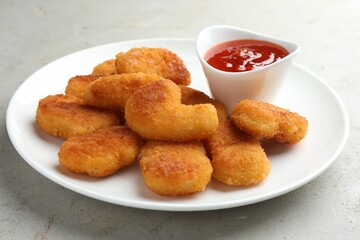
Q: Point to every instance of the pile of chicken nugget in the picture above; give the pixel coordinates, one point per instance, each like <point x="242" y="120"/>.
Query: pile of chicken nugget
<point x="138" y="107"/>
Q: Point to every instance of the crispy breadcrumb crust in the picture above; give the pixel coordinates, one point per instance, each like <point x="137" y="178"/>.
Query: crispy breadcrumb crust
<point x="190" y="96"/>
<point x="237" y="158"/>
<point x="100" y="153"/>
<point x="175" y="169"/>
<point x="155" y="112"/>
<point x="66" y="116"/>
<point x="107" y="67"/>
<point x="112" y="92"/>
<point x="77" y="84"/>
<point x="158" y="61"/>
<point x="268" y="121"/>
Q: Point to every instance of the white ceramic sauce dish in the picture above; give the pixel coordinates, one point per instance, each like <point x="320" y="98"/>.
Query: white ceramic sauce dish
<point x="261" y="84"/>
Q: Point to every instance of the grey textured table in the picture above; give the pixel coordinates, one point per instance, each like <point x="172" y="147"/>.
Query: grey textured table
<point x="34" y="33"/>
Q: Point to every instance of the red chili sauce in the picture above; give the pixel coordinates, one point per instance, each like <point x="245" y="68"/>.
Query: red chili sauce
<point x="244" y="55"/>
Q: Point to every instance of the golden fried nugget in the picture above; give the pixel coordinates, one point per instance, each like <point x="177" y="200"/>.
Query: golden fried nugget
<point x="190" y="96"/>
<point x="100" y="153"/>
<point x="175" y="169"/>
<point x="158" y="61"/>
<point x="105" y="68"/>
<point x="76" y="85"/>
<point x="112" y="92"/>
<point x="269" y="121"/>
<point x="66" y="116"/>
<point x="155" y="112"/>
<point x="237" y="158"/>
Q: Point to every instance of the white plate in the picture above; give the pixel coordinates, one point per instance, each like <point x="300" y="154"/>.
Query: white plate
<point x="291" y="166"/>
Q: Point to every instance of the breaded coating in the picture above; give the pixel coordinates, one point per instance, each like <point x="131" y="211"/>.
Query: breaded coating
<point x="237" y="158"/>
<point x="190" y="96"/>
<point x="76" y="85"/>
<point x="105" y="68"/>
<point x="112" y="92"/>
<point x="66" y="116"/>
<point x="155" y="112"/>
<point x="158" y="61"/>
<point x="100" y="153"/>
<point x="175" y="169"/>
<point x="269" y="121"/>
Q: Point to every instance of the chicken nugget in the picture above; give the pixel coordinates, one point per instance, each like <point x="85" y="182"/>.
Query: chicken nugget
<point x="65" y="116"/>
<point x="175" y="169"/>
<point x="190" y="96"/>
<point x="269" y="121"/>
<point x="76" y="85"/>
<point x="158" y="61"/>
<point x="155" y="112"/>
<point x="112" y="92"/>
<point x="100" y="153"/>
<point x="237" y="158"/>
<point x="105" y="68"/>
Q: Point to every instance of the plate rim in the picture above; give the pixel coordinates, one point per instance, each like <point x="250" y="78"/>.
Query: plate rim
<point x="169" y="206"/>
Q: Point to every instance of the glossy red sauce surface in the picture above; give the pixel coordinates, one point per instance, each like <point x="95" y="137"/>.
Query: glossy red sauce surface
<point x="244" y="55"/>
